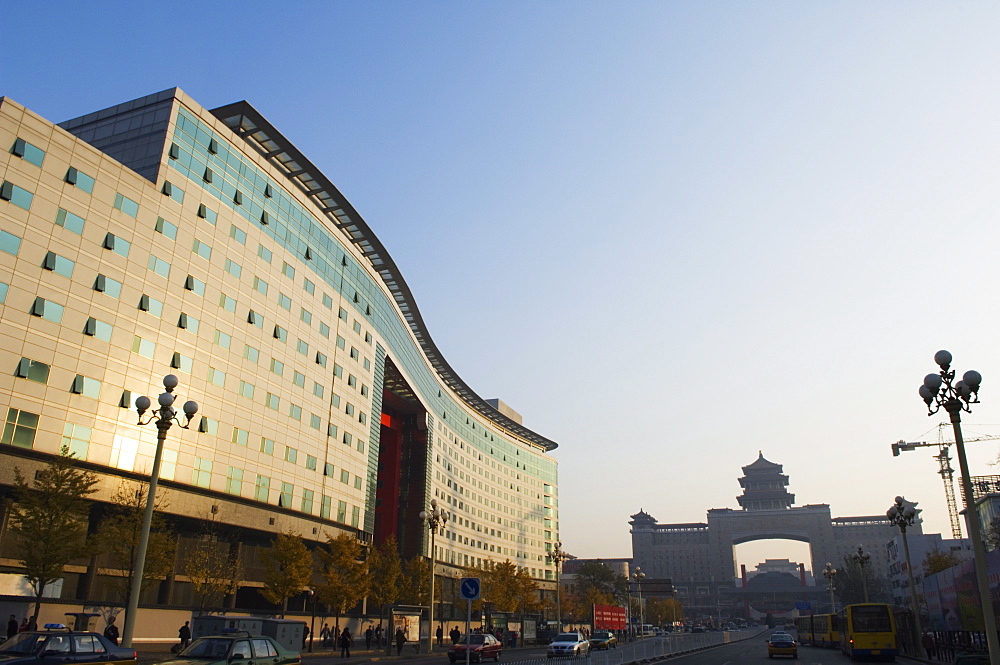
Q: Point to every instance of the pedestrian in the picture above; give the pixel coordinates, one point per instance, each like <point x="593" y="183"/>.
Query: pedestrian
<point x="33" y="624"/>
<point x="24" y="625"/>
<point x="369" y="633"/>
<point x="324" y="635"/>
<point x="305" y="636"/>
<point x="400" y="640"/>
<point x="12" y="627"/>
<point x="378" y="634"/>
<point x="440" y="635"/>
<point x="513" y="639"/>
<point x="927" y="642"/>
<point x="345" y="644"/>
<point x="455" y="635"/>
<point x="184" y="634"/>
<point x="111" y="632"/>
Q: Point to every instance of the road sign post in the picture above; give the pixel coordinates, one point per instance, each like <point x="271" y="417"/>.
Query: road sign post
<point x="471" y="589"/>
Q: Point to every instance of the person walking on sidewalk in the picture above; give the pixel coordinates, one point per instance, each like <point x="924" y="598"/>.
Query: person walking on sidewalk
<point x="455" y="635"/>
<point x="324" y="635"/>
<point x="345" y="644"/>
<point x="400" y="640"/>
<point x="369" y="633"/>
<point x="184" y="634"/>
<point x="111" y="632"/>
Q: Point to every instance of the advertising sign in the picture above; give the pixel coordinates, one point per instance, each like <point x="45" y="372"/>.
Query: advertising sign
<point x="609" y="617"/>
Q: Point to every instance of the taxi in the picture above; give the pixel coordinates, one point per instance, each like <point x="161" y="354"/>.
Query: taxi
<point x="782" y="644"/>
<point x="57" y="643"/>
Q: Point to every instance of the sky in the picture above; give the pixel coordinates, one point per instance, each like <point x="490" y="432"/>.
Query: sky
<point x="671" y="235"/>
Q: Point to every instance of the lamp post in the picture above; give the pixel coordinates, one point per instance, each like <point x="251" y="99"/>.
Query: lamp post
<point x="312" y="619"/>
<point x="639" y="576"/>
<point x="435" y="519"/>
<point x="830" y="573"/>
<point x="164" y="417"/>
<point x="862" y="558"/>
<point x="903" y="515"/>
<point x="557" y="556"/>
<point x="940" y="390"/>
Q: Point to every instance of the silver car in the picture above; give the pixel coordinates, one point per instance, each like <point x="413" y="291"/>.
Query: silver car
<point x="568" y="645"/>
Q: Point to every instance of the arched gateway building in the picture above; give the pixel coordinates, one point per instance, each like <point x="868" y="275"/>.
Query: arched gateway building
<point x="699" y="557"/>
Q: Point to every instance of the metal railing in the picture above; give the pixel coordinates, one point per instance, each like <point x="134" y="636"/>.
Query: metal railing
<point x="662" y="646"/>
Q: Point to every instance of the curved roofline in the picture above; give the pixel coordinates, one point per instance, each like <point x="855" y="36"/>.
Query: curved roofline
<point x="253" y="128"/>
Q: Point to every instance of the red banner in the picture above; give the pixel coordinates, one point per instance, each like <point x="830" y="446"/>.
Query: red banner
<point x="609" y="617"/>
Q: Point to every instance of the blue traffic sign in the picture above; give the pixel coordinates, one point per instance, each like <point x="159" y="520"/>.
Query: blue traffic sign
<point x="470" y="588"/>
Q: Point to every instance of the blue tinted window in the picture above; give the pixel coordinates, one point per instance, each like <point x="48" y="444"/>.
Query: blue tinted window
<point x="9" y="243"/>
<point x="3" y="292"/>
<point x="69" y="221"/>
<point x="59" y="264"/>
<point x="28" y="152"/>
<point x="159" y="266"/>
<point x="81" y="180"/>
<point x="166" y="228"/>
<point x="173" y="191"/>
<point x="19" y="197"/>
<point x="105" y="284"/>
<point x="126" y="205"/>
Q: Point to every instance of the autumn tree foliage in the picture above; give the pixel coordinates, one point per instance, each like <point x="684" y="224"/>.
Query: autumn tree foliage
<point x="49" y="520"/>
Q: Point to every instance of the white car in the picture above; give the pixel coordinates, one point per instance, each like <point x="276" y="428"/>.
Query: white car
<point x="568" y="645"/>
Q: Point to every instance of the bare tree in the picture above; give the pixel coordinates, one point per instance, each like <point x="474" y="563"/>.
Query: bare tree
<point x="118" y="536"/>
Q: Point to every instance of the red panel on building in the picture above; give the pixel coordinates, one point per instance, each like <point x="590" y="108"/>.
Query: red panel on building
<point x="609" y="617"/>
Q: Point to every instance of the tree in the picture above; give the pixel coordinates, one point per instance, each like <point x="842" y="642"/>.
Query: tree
<point x="415" y="589"/>
<point x="660" y="611"/>
<point x="385" y="573"/>
<point x="287" y="569"/>
<point x="214" y="565"/>
<point x="851" y="580"/>
<point x="344" y="576"/>
<point x="991" y="537"/>
<point x="49" y="520"/>
<point x="938" y="561"/>
<point x="596" y="584"/>
<point x="118" y="537"/>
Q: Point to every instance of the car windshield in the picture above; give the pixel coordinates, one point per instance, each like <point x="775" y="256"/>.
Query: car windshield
<point x="211" y="648"/>
<point x="568" y="637"/>
<point x="782" y="638"/>
<point x="474" y="639"/>
<point x="602" y="635"/>
<point x="22" y="643"/>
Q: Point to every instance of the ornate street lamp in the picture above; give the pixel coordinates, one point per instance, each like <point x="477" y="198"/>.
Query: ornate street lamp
<point x="558" y="556"/>
<point x="639" y="576"/>
<point x="164" y="417"/>
<point x="903" y="515"/>
<point x="435" y="519"/>
<point x="939" y="391"/>
<point x="830" y="573"/>
<point x="862" y="558"/>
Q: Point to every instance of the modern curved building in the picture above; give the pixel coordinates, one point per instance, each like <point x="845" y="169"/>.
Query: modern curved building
<point x="157" y="237"/>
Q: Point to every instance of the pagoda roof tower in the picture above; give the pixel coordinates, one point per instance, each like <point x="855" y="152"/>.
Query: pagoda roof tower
<point x="764" y="486"/>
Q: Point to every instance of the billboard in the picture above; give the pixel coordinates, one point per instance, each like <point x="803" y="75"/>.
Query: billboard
<point x="609" y="617"/>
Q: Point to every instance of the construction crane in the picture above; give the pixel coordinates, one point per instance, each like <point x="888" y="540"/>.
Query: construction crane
<point x="944" y="468"/>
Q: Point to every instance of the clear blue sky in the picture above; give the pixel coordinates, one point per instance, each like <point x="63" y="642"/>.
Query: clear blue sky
<point x="669" y="234"/>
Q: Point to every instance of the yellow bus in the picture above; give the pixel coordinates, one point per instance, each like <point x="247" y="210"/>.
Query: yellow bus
<point x="868" y="629"/>
<point x="819" y="630"/>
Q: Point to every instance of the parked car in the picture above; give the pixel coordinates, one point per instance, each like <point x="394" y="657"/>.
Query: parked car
<point x="56" y="644"/>
<point x="782" y="644"/>
<point x="568" y="645"/>
<point x="603" y="639"/>
<point x="480" y="648"/>
<point x="234" y="648"/>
